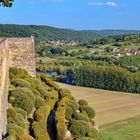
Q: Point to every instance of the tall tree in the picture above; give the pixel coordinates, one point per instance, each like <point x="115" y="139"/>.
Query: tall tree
<point x="6" y="3"/>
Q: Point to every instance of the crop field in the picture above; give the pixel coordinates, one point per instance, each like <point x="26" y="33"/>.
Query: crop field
<point x="110" y="106"/>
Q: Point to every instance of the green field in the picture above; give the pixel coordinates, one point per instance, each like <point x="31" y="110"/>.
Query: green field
<point x="117" y="113"/>
<point x="128" y="129"/>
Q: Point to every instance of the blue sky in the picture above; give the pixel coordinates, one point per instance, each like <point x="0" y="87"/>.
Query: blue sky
<point x="75" y="14"/>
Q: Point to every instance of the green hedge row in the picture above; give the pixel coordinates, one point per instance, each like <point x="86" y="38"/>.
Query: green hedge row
<point x="39" y="125"/>
<point x="108" y="77"/>
<point x="60" y="118"/>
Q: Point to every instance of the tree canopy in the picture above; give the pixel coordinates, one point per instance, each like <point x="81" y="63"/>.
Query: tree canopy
<point x="6" y="3"/>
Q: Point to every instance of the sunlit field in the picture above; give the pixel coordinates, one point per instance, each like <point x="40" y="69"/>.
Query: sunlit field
<point x="110" y="106"/>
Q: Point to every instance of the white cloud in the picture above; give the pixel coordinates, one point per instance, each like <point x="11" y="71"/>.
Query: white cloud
<point x="108" y="4"/>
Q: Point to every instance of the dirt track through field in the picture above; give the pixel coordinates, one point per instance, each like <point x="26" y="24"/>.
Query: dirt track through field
<point x="110" y="106"/>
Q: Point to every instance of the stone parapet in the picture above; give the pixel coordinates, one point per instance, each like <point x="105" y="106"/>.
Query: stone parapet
<point x="22" y="54"/>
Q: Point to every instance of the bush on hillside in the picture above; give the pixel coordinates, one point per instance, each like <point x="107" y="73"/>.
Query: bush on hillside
<point x="14" y="70"/>
<point x="74" y="102"/>
<point x="79" y="128"/>
<point x="19" y="120"/>
<point x="21" y="111"/>
<point x="68" y="95"/>
<point x="73" y="107"/>
<point x="89" y="111"/>
<point x="21" y="83"/>
<point x="39" y="102"/>
<point x="14" y="130"/>
<point x="21" y="100"/>
<point x="65" y="91"/>
<point x="93" y="133"/>
<point x="16" y="73"/>
<point x="82" y="102"/>
<point x="40" y="88"/>
<point x="11" y="113"/>
<point x="25" y="91"/>
<point x="69" y="113"/>
<point x="79" y="116"/>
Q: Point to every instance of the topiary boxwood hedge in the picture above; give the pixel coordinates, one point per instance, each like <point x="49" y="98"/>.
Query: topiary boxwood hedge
<point x="39" y="125"/>
<point x="21" y="100"/>
<point x="79" y="128"/>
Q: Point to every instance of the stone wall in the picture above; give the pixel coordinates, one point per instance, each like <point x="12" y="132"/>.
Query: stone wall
<point x="4" y="79"/>
<point x="22" y="54"/>
<point x="14" y="52"/>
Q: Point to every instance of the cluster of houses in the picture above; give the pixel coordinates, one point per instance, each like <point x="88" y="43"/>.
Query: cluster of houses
<point x="126" y="51"/>
<point x="133" y="52"/>
<point x="58" y="43"/>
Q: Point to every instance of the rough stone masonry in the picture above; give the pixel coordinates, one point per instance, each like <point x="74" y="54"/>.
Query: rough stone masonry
<point x="14" y="52"/>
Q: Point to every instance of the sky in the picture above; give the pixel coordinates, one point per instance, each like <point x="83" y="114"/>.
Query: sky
<point x="75" y="14"/>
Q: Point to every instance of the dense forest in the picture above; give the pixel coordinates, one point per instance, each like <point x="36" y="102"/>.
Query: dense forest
<point x="45" y="33"/>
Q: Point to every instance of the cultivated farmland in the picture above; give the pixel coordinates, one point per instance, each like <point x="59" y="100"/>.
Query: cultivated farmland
<point x="110" y="106"/>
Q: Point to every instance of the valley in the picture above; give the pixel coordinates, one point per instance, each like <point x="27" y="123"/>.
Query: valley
<point x="69" y="70"/>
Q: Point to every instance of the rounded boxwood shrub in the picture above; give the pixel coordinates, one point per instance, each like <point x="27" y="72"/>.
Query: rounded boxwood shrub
<point x="94" y="134"/>
<point x="73" y="107"/>
<point x="39" y="102"/>
<point x="21" y="111"/>
<point x="79" y="116"/>
<point x="13" y="129"/>
<point x="23" y="72"/>
<point x="11" y="113"/>
<point x="21" y="83"/>
<point x="40" y="88"/>
<point x="82" y="102"/>
<point x="64" y="92"/>
<point x="74" y="102"/>
<point x="68" y="113"/>
<point x="19" y="120"/>
<point x="13" y="70"/>
<point x="22" y="101"/>
<point x="89" y="110"/>
<point x="79" y="128"/>
<point x="84" y="112"/>
<point x="25" y="91"/>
